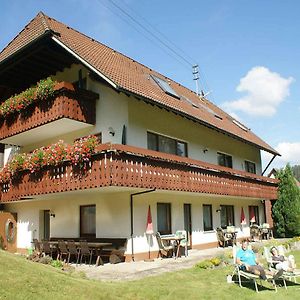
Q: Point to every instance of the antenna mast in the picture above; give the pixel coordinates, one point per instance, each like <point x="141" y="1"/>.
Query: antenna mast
<point x="196" y="77"/>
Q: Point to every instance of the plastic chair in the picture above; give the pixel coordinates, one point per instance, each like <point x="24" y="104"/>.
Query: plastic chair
<point x="184" y="241"/>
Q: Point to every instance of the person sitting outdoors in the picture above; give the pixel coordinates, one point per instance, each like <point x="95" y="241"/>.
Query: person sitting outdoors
<point x="247" y="261"/>
<point x="281" y="262"/>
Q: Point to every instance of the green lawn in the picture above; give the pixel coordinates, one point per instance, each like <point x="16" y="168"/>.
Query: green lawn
<point x="22" y="279"/>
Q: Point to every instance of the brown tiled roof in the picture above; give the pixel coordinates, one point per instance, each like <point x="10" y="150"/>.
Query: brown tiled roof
<point x="133" y="77"/>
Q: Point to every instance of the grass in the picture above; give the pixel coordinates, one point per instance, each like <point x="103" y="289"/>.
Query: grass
<point x="22" y="279"/>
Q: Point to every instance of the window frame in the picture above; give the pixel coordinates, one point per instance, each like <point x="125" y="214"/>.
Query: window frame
<point x="168" y="222"/>
<point x="225" y="157"/>
<point x="84" y="234"/>
<point x="157" y="142"/>
<point x="249" y="163"/>
<point x="226" y="208"/>
<point x="210" y="217"/>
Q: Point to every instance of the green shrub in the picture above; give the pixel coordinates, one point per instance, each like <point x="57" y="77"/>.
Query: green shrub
<point x="56" y="264"/>
<point x="205" y="264"/>
<point x="216" y="261"/>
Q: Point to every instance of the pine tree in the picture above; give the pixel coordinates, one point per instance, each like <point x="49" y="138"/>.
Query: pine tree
<point x="286" y="210"/>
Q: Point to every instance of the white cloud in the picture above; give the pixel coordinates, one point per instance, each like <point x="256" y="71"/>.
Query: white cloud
<point x="290" y="154"/>
<point x="265" y="91"/>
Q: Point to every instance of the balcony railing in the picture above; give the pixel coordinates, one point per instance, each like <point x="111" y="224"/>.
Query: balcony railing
<point x="78" y="105"/>
<point x="126" y="166"/>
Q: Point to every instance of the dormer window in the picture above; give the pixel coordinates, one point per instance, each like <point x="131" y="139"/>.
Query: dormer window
<point x="164" y="85"/>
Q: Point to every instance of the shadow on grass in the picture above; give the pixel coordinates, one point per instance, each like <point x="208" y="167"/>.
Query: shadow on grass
<point x="261" y="284"/>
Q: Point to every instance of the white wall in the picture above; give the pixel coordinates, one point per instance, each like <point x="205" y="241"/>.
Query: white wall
<point x="113" y="215"/>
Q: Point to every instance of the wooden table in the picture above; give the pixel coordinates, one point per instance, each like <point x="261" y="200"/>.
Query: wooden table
<point x="98" y="246"/>
<point x="176" y="239"/>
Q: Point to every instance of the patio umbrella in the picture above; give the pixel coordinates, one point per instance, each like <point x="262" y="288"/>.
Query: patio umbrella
<point x="243" y="218"/>
<point x="149" y="227"/>
<point x="149" y="230"/>
<point x="252" y="215"/>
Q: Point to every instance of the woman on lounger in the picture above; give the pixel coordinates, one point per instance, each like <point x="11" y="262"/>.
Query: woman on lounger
<point x="281" y="262"/>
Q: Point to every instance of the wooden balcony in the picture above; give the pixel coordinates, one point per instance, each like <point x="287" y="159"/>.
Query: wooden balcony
<point x="67" y="111"/>
<point x="126" y="166"/>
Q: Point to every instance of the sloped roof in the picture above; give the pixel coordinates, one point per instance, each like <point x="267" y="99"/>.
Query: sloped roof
<point x="127" y="75"/>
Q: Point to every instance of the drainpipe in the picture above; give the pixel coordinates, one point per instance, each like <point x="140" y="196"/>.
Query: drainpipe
<point x="131" y="217"/>
<point x="262" y="174"/>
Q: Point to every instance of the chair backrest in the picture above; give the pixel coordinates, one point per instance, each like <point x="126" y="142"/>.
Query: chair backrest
<point x="267" y="254"/>
<point x="220" y="234"/>
<point x="84" y="247"/>
<point x="159" y="241"/>
<point x="46" y="247"/>
<point x="266" y="225"/>
<point x="62" y="246"/>
<point x="37" y="246"/>
<point x="230" y="229"/>
<point x="72" y="247"/>
<point x="182" y="233"/>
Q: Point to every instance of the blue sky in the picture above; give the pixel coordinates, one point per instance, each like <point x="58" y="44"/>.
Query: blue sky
<point x="248" y="51"/>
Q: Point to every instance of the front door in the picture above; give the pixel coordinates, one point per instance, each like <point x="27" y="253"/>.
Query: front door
<point x="188" y="222"/>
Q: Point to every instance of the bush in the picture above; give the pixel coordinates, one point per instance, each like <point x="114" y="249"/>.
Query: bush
<point x="56" y="264"/>
<point x="205" y="264"/>
<point x="216" y="261"/>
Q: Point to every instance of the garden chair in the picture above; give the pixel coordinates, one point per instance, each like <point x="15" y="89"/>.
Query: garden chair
<point x="184" y="242"/>
<point x="223" y="240"/>
<point x="62" y="250"/>
<point x="247" y="276"/>
<point x="72" y="250"/>
<point x="164" y="250"/>
<point x="291" y="276"/>
<point x="85" y="251"/>
<point x="46" y="248"/>
<point x="37" y="246"/>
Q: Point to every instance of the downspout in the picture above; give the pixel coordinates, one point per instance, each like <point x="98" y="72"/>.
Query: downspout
<point x="131" y="217"/>
<point x="262" y="174"/>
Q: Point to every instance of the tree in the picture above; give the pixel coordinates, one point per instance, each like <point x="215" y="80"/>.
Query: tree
<point x="286" y="210"/>
<point x="296" y="171"/>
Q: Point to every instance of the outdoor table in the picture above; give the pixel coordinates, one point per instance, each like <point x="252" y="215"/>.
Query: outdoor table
<point x="98" y="246"/>
<point x="176" y="239"/>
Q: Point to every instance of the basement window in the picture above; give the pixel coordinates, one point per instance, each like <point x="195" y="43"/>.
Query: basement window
<point x="165" y="86"/>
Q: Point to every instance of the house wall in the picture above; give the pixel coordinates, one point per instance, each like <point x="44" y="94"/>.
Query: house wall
<point x="197" y="136"/>
<point x="113" y="216"/>
<point x="114" y="110"/>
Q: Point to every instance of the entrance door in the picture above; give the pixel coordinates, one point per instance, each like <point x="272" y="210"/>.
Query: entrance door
<point x="188" y="222"/>
<point x="46" y="218"/>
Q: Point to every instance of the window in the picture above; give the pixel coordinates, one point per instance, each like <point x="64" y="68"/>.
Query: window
<point x="207" y="217"/>
<point x="250" y="167"/>
<point x="253" y="215"/>
<point x="165" y="86"/>
<point x="164" y="218"/>
<point x="224" y="160"/>
<point x="88" y="221"/>
<point x="165" y="144"/>
<point x="227" y="216"/>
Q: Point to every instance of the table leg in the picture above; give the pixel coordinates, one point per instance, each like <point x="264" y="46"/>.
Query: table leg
<point x="178" y="247"/>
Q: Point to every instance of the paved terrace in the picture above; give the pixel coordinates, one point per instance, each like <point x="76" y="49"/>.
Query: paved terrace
<point x="141" y="269"/>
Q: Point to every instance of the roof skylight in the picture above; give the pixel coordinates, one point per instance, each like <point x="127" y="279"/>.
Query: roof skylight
<point x="165" y="86"/>
<point x="237" y="123"/>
